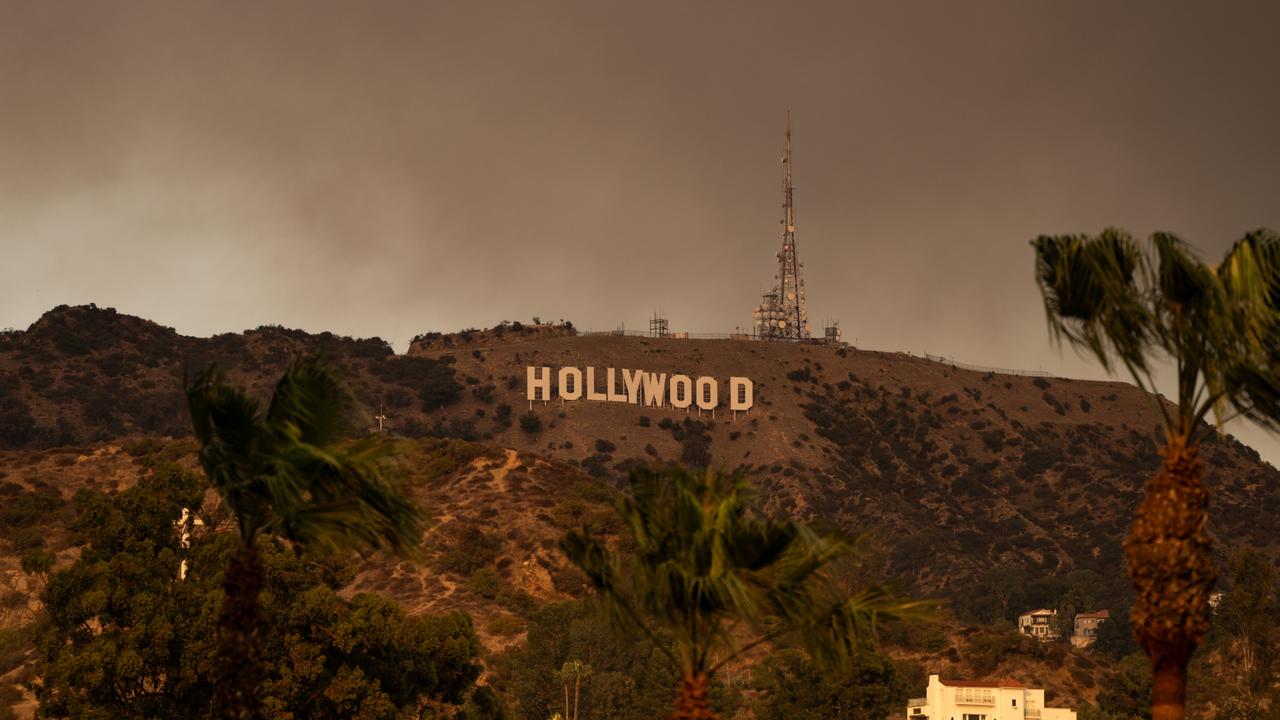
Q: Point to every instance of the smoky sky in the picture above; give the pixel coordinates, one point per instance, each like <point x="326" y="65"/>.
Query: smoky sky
<point x="392" y="168"/>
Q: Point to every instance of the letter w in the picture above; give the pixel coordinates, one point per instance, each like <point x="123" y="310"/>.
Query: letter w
<point x="655" y="387"/>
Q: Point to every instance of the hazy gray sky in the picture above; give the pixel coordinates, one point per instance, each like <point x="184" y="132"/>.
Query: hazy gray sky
<point x="391" y="168"/>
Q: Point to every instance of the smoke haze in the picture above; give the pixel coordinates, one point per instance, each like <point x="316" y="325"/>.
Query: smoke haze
<point x="392" y="168"/>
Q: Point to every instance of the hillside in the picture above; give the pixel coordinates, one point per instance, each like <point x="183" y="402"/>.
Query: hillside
<point x="949" y="472"/>
<point x="978" y="468"/>
<point x="495" y="519"/>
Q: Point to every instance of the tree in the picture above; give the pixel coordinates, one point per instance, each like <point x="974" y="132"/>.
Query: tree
<point x="999" y="594"/>
<point x="1127" y="695"/>
<point x="793" y="688"/>
<point x="531" y="423"/>
<point x="1220" y="329"/>
<point x="629" y="679"/>
<point x="289" y="472"/>
<point x="1074" y="601"/>
<point x="719" y="581"/>
<point x="38" y="562"/>
<point x="125" y="638"/>
<point x="1115" y="636"/>
<point x="572" y="673"/>
<point x="1238" y="708"/>
<point x="1249" y="611"/>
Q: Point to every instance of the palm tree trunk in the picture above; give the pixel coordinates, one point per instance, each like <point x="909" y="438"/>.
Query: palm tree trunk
<point x="238" y="666"/>
<point x="1246" y="658"/>
<point x="1170" y="559"/>
<point x="577" y="688"/>
<point x="693" y="700"/>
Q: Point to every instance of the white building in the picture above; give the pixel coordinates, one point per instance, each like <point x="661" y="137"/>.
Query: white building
<point x="983" y="700"/>
<point x="1039" y="624"/>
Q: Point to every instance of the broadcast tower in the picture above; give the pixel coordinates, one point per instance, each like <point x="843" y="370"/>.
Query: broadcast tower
<point x="783" y="313"/>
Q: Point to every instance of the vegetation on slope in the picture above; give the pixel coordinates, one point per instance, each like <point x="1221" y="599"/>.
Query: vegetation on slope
<point x="957" y="472"/>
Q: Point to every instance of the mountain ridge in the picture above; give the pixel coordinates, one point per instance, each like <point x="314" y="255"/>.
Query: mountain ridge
<point x="1042" y="473"/>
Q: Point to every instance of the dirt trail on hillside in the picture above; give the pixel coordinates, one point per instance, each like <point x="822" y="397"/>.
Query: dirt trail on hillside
<point x="498" y="476"/>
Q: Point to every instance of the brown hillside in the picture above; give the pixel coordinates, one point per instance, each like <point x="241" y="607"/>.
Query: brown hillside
<point x="934" y="460"/>
<point x="496" y="516"/>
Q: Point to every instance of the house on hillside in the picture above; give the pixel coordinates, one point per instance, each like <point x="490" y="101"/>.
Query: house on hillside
<point x="983" y="700"/>
<point x="1039" y="624"/>
<point x="1086" y="627"/>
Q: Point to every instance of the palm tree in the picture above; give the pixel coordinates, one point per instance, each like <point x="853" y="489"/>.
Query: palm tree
<point x="1220" y="329"/>
<point x="573" y="673"/>
<point x="288" y="471"/>
<point x="719" y="582"/>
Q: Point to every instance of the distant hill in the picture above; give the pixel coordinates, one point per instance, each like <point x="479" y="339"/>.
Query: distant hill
<point x="952" y="470"/>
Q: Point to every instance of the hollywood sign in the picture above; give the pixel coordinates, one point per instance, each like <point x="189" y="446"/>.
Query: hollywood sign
<point x="638" y="387"/>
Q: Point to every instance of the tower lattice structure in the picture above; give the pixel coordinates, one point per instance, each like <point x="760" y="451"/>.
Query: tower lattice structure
<point x="783" y="313"/>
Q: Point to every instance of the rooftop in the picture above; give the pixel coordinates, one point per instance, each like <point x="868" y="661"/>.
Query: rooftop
<point x="1000" y="683"/>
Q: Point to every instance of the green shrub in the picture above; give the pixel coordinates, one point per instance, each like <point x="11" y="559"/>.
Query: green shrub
<point x="485" y="582"/>
<point x="28" y="509"/>
<point x="143" y="446"/>
<point x="484" y="393"/>
<point x="432" y="379"/>
<point x="17" y="426"/>
<point x="517" y="601"/>
<point x="505" y="626"/>
<point x="472" y="550"/>
<point x="800" y="375"/>
<point x="14" y="643"/>
<point x="993" y="439"/>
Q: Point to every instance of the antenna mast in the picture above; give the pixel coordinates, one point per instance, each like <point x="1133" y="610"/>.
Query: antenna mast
<point x="783" y="314"/>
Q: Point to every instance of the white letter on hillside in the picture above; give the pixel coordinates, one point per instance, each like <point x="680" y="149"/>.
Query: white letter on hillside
<point x="610" y="381"/>
<point x="741" y="393"/>
<point x="681" y="390"/>
<point x="707" y="393"/>
<point x="538" y="379"/>
<point x="655" y="386"/>
<point x="591" y="386"/>
<point x="566" y="375"/>
<point x="632" y="383"/>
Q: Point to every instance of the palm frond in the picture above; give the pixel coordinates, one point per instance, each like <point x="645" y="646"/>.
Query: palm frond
<point x="1092" y="296"/>
<point x="229" y="427"/>
<point x="833" y="634"/>
<point x="310" y="403"/>
<point x="704" y="568"/>
<point x="1191" y="325"/>
<point x="1250" y="277"/>
<point x="341" y="497"/>
<point x="291" y="470"/>
<point x="1220" y="327"/>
